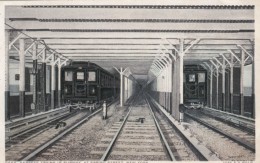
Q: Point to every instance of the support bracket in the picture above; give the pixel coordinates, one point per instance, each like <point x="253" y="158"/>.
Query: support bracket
<point x="232" y="53"/>
<point x="191" y="45"/>
<point x="14" y="40"/>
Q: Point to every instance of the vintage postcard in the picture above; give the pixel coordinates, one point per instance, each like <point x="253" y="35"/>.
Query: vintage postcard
<point x="129" y="81"/>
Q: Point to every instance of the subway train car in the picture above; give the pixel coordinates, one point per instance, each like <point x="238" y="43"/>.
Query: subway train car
<point x="86" y="82"/>
<point x="195" y="86"/>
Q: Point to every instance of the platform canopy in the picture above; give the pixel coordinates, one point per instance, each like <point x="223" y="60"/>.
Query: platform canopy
<point x="133" y="35"/>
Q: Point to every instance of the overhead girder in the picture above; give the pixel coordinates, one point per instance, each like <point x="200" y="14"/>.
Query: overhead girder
<point x="129" y="26"/>
<point x="148" y="34"/>
<point x="116" y="40"/>
<point x="155" y="11"/>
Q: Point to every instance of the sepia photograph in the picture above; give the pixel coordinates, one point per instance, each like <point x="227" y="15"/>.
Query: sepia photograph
<point x="128" y="81"/>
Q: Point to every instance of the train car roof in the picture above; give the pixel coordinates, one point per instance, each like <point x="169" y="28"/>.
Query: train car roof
<point x="76" y="64"/>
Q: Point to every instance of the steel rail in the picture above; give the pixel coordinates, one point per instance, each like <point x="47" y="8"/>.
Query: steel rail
<point x="56" y="138"/>
<point x="240" y="125"/>
<point x="109" y="148"/>
<point x="169" y="151"/>
<point x="218" y="130"/>
<point x="41" y="125"/>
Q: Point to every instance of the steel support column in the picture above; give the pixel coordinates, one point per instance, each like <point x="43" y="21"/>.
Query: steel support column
<point x="181" y="69"/>
<point x="217" y="92"/>
<point x="174" y="89"/>
<point x="121" y="87"/>
<point x="22" y="78"/>
<point x="7" y="91"/>
<point x="53" y="82"/>
<point x="223" y="86"/>
<point x="43" y="91"/>
<point x="59" y="85"/>
<point x="242" y="108"/>
<point x="231" y="83"/>
<point x="35" y="70"/>
<point x="253" y="80"/>
<point x="170" y="88"/>
<point x="211" y="85"/>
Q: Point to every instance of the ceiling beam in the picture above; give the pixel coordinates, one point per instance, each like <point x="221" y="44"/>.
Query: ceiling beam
<point x="42" y="34"/>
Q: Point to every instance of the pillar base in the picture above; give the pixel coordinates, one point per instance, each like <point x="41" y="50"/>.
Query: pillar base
<point x="22" y="103"/>
<point x="7" y="105"/>
<point x="223" y="102"/>
<point x="231" y="103"/>
<point x="53" y="99"/>
<point x="242" y="111"/>
<point x="253" y="108"/>
<point x="59" y="98"/>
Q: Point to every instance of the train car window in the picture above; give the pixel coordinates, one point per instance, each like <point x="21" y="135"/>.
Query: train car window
<point x="80" y="75"/>
<point x="68" y="75"/>
<point x="201" y="77"/>
<point x="192" y="78"/>
<point x="92" y="76"/>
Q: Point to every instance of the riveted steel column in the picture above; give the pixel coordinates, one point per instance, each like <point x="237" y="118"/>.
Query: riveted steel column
<point x="211" y="85"/>
<point x="121" y="87"/>
<point x="181" y="70"/>
<point x="35" y="70"/>
<point x="53" y="82"/>
<point x="59" y="85"/>
<point x="166" y="88"/>
<point x="253" y="80"/>
<point x="177" y="89"/>
<point x="170" y="88"/>
<point x="7" y="91"/>
<point x="231" y="83"/>
<point x="173" y="83"/>
<point x="217" y="88"/>
<point x="22" y="77"/>
<point x="242" y="83"/>
<point x="43" y="91"/>
<point x="223" y="86"/>
<point x="253" y="89"/>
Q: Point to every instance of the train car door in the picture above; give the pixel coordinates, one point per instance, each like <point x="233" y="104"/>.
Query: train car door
<point x="80" y="83"/>
<point x="68" y="83"/>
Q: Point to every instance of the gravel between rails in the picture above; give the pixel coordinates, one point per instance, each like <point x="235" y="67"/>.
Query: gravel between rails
<point x="78" y="144"/>
<point x="226" y="149"/>
<point x="147" y="146"/>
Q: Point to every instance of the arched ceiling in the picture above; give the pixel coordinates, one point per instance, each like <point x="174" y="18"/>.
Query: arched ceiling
<point x="133" y="35"/>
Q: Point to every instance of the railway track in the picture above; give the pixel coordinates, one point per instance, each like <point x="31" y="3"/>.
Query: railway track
<point x="182" y="150"/>
<point x="237" y="121"/>
<point x="136" y="133"/>
<point x="34" y="144"/>
<point x="225" y="148"/>
<point x="30" y="133"/>
<point x="137" y="137"/>
<point x="240" y="136"/>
